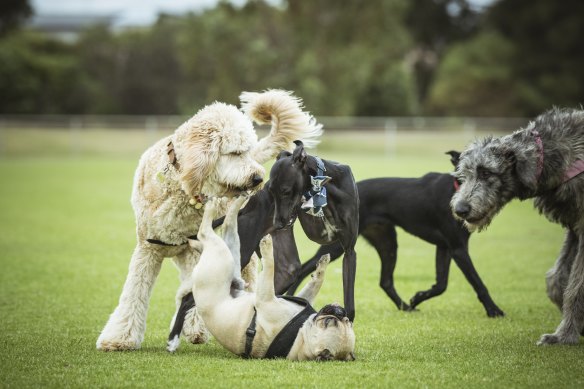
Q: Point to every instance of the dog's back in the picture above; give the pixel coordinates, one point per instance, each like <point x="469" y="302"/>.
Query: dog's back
<point x="418" y="205"/>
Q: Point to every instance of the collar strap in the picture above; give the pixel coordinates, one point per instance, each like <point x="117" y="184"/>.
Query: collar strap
<point x="250" y="335"/>
<point x="539" y="144"/>
<point x="575" y="169"/>
<point x="283" y="342"/>
<point x="315" y="198"/>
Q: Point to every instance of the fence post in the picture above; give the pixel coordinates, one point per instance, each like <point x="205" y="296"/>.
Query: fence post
<point x="390" y="137"/>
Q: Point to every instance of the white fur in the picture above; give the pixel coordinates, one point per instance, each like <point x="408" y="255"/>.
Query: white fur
<point x="227" y="316"/>
<point x="218" y="153"/>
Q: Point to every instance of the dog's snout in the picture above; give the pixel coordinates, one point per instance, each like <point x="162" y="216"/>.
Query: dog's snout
<point x="256" y="180"/>
<point x="462" y="209"/>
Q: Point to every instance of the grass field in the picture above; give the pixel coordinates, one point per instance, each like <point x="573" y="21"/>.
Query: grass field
<point x="67" y="232"/>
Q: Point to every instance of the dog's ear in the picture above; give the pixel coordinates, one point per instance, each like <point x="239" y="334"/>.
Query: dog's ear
<point x="454" y="157"/>
<point x="524" y="170"/>
<point x="325" y="355"/>
<point x="299" y="154"/>
<point x="283" y="154"/>
<point x="350" y="357"/>
<point x="197" y="158"/>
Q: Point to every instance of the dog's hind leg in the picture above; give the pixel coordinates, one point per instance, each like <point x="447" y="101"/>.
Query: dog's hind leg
<point x="572" y="324"/>
<point x="127" y="324"/>
<point x="557" y="277"/>
<point x="384" y="238"/>
<point x="442" y="270"/>
<point x="311" y="289"/>
<point x="462" y="259"/>
<point x="334" y="250"/>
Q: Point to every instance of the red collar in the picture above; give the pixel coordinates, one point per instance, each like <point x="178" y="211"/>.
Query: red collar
<point x="539" y="144"/>
<point x="576" y="168"/>
<point x="456" y="185"/>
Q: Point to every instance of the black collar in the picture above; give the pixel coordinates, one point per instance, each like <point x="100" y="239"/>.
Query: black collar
<point x="283" y="342"/>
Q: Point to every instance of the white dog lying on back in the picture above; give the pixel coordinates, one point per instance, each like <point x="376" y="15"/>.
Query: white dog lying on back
<point x="261" y="325"/>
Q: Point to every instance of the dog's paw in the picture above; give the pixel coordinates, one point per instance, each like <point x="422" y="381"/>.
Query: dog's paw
<point x="495" y="312"/>
<point x="116" y="345"/>
<point x="266" y="246"/>
<point x="547" y="339"/>
<point x="172" y="345"/>
<point x="550" y="339"/>
<point x="323" y="261"/>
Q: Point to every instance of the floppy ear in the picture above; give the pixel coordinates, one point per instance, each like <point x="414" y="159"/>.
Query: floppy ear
<point x="524" y="170"/>
<point x="454" y="157"/>
<point x="299" y="154"/>
<point x="198" y="156"/>
<point x="350" y="357"/>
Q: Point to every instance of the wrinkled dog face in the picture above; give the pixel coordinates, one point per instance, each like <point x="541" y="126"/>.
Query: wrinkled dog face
<point x="331" y="335"/>
<point x="486" y="171"/>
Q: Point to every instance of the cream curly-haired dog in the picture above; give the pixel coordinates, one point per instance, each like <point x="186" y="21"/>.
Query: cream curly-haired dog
<point x="214" y="153"/>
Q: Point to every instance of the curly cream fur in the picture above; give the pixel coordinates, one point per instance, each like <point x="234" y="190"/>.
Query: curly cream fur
<point x="289" y="122"/>
<point x="218" y="154"/>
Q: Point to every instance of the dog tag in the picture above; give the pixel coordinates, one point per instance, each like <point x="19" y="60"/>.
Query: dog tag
<point x="198" y="205"/>
<point x="160" y="177"/>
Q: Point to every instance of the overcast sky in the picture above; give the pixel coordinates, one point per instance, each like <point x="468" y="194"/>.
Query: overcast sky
<point x="130" y="12"/>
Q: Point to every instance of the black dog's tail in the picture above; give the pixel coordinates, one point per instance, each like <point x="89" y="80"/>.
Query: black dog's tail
<point x="187" y="303"/>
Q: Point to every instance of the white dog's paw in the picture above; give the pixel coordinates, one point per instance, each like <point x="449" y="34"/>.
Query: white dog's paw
<point x="266" y="246"/>
<point x="321" y="266"/>
<point x="172" y="345"/>
<point x="116" y="344"/>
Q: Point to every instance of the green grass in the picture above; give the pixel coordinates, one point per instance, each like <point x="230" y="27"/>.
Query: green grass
<point x="67" y="232"/>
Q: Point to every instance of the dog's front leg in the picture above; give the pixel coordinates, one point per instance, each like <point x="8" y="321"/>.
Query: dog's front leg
<point x="349" y="270"/>
<point x="127" y="324"/>
<point x="572" y="324"/>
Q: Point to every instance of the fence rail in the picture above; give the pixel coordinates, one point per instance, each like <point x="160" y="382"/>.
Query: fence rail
<point x="130" y="135"/>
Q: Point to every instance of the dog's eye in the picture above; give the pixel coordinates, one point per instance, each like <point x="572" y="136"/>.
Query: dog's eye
<point x="484" y="174"/>
<point x="235" y="153"/>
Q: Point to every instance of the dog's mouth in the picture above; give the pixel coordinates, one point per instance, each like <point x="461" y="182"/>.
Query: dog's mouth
<point x="331" y="314"/>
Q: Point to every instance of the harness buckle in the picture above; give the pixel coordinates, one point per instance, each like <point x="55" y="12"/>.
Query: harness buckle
<point x="250" y="331"/>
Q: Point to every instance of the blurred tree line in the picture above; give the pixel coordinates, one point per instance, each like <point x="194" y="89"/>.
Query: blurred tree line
<point x="359" y="57"/>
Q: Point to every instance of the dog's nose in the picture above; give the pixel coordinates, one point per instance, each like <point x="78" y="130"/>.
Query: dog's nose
<point x="462" y="209"/>
<point x="256" y="180"/>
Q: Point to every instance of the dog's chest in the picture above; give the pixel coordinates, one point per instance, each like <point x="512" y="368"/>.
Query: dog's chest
<point x="319" y="229"/>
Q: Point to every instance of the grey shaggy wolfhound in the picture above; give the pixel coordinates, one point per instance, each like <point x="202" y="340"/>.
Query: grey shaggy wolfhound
<point x="543" y="161"/>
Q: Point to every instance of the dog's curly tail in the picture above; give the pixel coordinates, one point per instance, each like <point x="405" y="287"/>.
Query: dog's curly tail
<point x="289" y="122"/>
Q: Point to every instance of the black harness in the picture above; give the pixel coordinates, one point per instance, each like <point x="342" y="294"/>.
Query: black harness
<point x="283" y="342"/>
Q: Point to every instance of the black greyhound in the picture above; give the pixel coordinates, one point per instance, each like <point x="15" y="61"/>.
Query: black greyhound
<point x="274" y="209"/>
<point x="292" y="179"/>
<point x="421" y="206"/>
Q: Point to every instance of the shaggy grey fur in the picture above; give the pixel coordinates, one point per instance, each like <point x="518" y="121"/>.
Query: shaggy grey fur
<point x="495" y="170"/>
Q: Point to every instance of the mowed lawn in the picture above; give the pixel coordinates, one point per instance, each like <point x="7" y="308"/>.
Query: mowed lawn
<point x="67" y="233"/>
